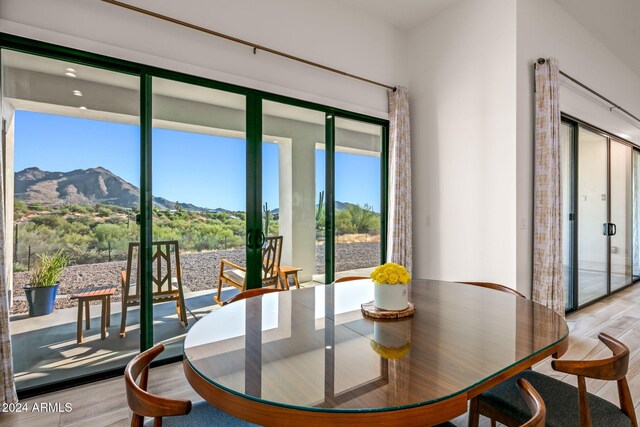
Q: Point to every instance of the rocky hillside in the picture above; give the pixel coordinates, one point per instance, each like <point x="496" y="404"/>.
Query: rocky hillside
<point x="82" y="187"/>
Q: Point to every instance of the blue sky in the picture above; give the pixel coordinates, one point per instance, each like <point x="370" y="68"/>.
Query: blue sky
<point x="207" y="171"/>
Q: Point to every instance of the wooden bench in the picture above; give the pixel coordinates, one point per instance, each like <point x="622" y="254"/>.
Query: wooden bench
<point x="97" y="293"/>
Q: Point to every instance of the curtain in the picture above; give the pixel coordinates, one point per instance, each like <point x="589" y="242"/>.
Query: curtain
<point x="548" y="288"/>
<point x="399" y="249"/>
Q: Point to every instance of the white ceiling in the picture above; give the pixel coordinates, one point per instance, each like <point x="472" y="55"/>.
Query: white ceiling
<point x="404" y="14"/>
<point x="614" y="22"/>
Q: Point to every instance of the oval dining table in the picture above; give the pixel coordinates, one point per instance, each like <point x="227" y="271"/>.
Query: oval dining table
<point x="310" y="357"/>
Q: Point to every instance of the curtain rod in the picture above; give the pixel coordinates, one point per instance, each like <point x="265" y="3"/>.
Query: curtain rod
<point x="255" y="46"/>
<point x="584" y="86"/>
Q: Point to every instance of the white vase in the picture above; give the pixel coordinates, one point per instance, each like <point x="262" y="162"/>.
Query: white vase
<point x="391" y="297"/>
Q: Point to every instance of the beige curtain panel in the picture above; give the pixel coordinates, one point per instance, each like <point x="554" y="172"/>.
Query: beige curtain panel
<point x="399" y="249"/>
<point x="548" y="288"/>
<point x="6" y="373"/>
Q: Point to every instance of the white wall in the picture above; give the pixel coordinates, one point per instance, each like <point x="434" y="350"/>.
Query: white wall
<point x="463" y="96"/>
<point x="547" y="30"/>
<point x="332" y="34"/>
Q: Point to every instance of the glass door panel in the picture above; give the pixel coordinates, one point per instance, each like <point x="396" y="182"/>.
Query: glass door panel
<point x="71" y="138"/>
<point x="293" y="190"/>
<point x="199" y="188"/>
<point x="636" y="215"/>
<point x="358" y="203"/>
<point x="620" y="215"/>
<point x="566" y="141"/>
<point x="592" y="215"/>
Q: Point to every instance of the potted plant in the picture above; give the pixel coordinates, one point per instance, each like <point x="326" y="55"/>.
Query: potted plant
<point x="391" y="291"/>
<point x="41" y="292"/>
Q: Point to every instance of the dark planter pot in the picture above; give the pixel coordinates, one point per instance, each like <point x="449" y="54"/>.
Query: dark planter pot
<point x="41" y="299"/>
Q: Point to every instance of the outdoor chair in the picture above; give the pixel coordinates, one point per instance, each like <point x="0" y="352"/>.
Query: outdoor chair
<point x="234" y="275"/>
<point x="166" y="279"/>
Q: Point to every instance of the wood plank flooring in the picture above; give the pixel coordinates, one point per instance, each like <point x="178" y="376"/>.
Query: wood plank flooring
<point x="103" y="403"/>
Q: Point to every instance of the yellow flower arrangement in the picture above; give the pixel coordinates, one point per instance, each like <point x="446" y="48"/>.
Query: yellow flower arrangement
<point x="391" y="274"/>
<point x="391" y="352"/>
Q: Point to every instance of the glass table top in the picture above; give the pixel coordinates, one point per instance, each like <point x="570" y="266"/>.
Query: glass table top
<point x="313" y="349"/>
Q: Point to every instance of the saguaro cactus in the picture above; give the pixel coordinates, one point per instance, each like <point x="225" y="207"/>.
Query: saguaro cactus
<point x="267" y="218"/>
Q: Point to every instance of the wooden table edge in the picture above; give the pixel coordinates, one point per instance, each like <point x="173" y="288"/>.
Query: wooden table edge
<point x="556" y="350"/>
<point x="273" y="415"/>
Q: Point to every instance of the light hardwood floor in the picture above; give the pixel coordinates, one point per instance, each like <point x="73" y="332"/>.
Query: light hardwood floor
<point x="103" y="403"/>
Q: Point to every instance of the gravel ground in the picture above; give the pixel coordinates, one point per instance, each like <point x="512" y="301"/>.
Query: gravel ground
<point x="199" y="271"/>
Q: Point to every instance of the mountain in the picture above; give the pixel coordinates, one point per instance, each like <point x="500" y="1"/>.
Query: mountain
<point x="339" y="207"/>
<point x="83" y="187"/>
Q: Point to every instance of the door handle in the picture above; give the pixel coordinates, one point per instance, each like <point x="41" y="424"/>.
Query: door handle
<point x="255" y="239"/>
<point x="249" y="239"/>
<point x="609" y="229"/>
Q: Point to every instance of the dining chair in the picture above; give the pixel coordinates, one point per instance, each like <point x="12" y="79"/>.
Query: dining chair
<point x="496" y="287"/>
<point x="567" y="405"/>
<point x="251" y="293"/>
<point x="144" y="404"/>
<point x="350" y="278"/>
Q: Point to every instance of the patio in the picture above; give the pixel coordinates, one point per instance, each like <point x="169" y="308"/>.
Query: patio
<point x="49" y="352"/>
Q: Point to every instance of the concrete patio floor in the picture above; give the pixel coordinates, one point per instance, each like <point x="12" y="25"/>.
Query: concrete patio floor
<point x="45" y="349"/>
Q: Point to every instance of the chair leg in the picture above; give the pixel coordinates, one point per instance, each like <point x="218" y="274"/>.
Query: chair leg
<point x="182" y="311"/>
<point x="86" y="308"/>
<point x="123" y="318"/>
<point x="103" y="319"/>
<point x="474" y="414"/>
<point x="217" y="297"/>
<point x="108" y="310"/>
<point x="79" y="338"/>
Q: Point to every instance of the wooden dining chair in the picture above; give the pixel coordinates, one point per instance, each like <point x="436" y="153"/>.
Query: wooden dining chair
<point x="350" y="278"/>
<point x="534" y="402"/>
<point x="251" y="293"/>
<point x="179" y="412"/>
<point x="496" y="287"/>
<point x="566" y="405"/>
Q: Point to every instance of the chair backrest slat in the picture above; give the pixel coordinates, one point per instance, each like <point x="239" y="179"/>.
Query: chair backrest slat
<point x="271" y="253"/>
<point x="163" y="270"/>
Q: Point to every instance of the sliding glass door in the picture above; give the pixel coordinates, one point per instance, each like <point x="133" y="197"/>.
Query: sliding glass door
<point x="593" y="243"/>
<point x="599" y="206"/>
<point x="155" y="185"/>
<point x="71" y="150"/>
<point x="620" y="238"/>
<point x="199" y="187"/>
<point x="293" y="190"/>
